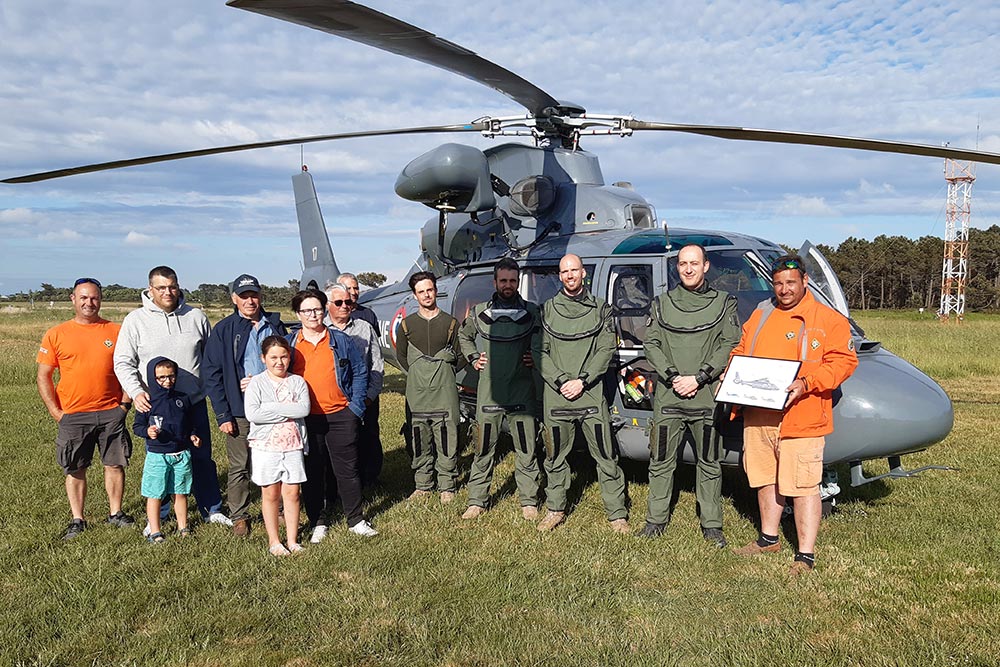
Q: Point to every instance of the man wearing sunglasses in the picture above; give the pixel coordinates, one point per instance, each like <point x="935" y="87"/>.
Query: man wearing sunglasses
<point x="232" y="357"/>
<point x="783" y="450"/>
<point x="88" y="403"/>
<point x="167" y="326"/>
<point x="358" y="312"/>
<point x="340" y="305"/>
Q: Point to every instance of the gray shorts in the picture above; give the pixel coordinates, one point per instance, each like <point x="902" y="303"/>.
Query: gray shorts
<point x="80" y="432"/>
<point x="269" y="468"/>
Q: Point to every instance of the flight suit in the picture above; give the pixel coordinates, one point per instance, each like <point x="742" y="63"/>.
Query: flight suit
<point x="578" y="341"/>
<point x="690" y="333"/>
<point x="427" y="350"/>
<point x="506" y="332"/>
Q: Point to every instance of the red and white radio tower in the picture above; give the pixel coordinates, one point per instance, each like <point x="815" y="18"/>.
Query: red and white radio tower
<point x="955" y="271"/>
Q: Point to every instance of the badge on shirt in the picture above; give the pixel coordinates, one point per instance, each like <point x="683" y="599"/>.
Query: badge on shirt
<point x="814" y="344"/>
<point x="108" y="343"/>
<point x="179" y="403"/>
<point x="790" y="335"/>
<point x="850" y="345"/>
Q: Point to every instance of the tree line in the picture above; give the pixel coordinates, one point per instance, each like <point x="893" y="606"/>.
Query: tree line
<point x="899" y="272"/>
<point x="207" y="294"/>
<point x="887" y="272"/>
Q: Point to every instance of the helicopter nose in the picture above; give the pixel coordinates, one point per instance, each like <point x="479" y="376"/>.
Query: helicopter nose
<point x="888" y="407"/>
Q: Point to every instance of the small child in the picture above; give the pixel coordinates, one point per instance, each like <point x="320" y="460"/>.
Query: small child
<point x="275" y="404"/>
<point x="167" y="429"/>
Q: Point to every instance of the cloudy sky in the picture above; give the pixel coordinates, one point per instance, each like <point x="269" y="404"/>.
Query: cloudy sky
<point x="99" y="80"/>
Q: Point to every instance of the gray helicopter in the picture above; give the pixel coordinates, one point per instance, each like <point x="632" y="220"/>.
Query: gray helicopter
<point x="537" y="201"/>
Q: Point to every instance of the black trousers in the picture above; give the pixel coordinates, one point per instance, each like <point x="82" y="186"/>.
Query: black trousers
<point x="333" y="441"/>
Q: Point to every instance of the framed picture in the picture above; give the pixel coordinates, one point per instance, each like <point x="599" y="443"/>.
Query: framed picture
<point x="758" y="382"/>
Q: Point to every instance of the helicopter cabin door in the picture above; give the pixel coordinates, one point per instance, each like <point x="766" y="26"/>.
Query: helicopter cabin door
<point x="823" y="279"/>
<point x="630" y="294"/>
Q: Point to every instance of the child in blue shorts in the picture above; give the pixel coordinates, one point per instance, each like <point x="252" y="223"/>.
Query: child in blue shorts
<point x="167" y="429"/>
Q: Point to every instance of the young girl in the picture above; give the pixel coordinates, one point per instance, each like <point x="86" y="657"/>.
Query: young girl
<point x="276" y="402"/>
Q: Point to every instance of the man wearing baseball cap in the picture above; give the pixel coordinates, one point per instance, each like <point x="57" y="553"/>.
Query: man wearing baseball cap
<point x="232" y="356"/>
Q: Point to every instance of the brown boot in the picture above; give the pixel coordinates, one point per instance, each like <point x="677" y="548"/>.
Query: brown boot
<point x="241" y="528"/>
<point x="799" y="568"/>
<point x="551" y="520"/>
<point x="473" y="512"/>
<point x="754" y="549"/>
<point x="530" y="512"/>
<point x="620" y="526"/>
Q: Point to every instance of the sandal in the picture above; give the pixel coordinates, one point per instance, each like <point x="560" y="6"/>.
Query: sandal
<point x="295" y="547"/>
<point x="184" y="532"/>
<point x="156" y="538"/>
<point x="278" y="550"/>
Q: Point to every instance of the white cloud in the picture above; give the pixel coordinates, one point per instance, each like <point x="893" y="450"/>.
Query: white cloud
<point x="134" y="238"/>
<point x="61" y="235"/>
<point x="797" y="205"/>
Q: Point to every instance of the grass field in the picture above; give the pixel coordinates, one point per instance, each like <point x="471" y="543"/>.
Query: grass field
<point x="907" y="571"/>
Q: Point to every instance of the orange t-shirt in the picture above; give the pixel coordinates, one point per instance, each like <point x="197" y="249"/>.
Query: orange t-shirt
<point x="316" y="365"/>
<point x="83" y="353"/>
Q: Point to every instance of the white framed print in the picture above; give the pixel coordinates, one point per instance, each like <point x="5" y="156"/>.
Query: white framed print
<point x="758" y="382"/>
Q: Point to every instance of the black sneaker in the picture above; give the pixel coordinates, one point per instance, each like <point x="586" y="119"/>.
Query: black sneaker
<point x="76" y="526"/>
<point x="120" y="519"/>
<point x="652" y="530"/>
<point x="714" y="535"/>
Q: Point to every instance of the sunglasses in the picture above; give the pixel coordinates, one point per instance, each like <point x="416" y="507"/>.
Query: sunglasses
<point x="783" y="264"/>
<point x="84" y="281"/>
<point x="343" y="302"/>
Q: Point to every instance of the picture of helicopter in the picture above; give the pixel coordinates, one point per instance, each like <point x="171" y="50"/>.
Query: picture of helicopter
<point x="535" y="202"/>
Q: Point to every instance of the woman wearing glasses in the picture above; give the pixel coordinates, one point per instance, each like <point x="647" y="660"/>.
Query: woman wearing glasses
<point x="337" y="377"/>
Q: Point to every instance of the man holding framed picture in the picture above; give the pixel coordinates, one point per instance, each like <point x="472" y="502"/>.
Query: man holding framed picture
<point x="783" y="450"/>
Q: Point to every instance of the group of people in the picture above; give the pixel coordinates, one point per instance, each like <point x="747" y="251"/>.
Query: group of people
<point x="301" y="407"/>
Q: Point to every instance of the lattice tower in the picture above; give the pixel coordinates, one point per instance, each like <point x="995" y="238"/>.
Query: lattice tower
<point x="955" y="270"/>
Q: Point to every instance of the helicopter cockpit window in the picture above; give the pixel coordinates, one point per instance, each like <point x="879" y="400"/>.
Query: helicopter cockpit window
<point x="732" y="271"/>
<point x="473" y="289"/>
<point x="630" y="292"/>
<point x="540" y="283"/>
<point x="641" y="216"/>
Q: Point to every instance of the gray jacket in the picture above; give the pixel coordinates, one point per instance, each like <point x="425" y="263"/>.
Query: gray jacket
<point x="368" y="345"/>
<point x="149" y="332"/>
<point x="263" y="410"/>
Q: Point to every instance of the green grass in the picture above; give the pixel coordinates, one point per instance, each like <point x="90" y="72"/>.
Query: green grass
<point x="907" y="569"/>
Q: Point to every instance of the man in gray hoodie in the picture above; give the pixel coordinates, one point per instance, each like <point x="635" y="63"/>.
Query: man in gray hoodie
<point x="166" y="326"/>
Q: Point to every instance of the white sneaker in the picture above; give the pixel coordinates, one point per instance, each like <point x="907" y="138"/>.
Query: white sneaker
<point x="147" y="531"/>
<point x="319" y="534"/>
<point x="364" y="529"/>
<point x="219" y="517"/>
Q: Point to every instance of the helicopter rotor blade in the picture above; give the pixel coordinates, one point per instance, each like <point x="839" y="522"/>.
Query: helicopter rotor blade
<point x="810" y="139"/>
<point x="475" y="126"/>
<point x="368" y="26"/>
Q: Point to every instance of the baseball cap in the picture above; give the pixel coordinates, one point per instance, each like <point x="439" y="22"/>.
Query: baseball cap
<point x="245" y="283"/>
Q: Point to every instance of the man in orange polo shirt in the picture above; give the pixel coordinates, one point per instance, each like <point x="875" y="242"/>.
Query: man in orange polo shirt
<point x="88" y="403"/>
<point x="783" y="450"/>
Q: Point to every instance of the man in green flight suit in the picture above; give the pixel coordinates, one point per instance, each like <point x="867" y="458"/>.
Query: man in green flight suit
<point x="693" y="329"/>
<point x="509" y="333"/>
<point x="428" y="352"/>
<point x="578" y="343"/>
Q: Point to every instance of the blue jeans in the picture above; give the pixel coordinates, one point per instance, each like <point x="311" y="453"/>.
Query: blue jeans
<point x="206" y="477"/>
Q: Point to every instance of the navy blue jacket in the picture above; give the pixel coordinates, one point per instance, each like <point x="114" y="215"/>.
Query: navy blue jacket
<point x="352" y="372"/>
<point x="222" y="363"/>
<point x="173" y="407"/>
<point x="366" y="314"/>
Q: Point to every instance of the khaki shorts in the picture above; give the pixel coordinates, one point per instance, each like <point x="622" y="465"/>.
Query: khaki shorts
<point x="794" y="464"/>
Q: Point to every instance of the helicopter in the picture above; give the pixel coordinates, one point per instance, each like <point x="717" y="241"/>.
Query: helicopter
<point x="537" y="201"/>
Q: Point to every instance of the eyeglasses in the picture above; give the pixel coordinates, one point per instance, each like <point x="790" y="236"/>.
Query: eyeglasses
<point x="343" y="302"/>
<point x="161" y="378"/>
<point x="783" y="264"/>
<point x="315" y="312"/>
<point x="84" y="281"/>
